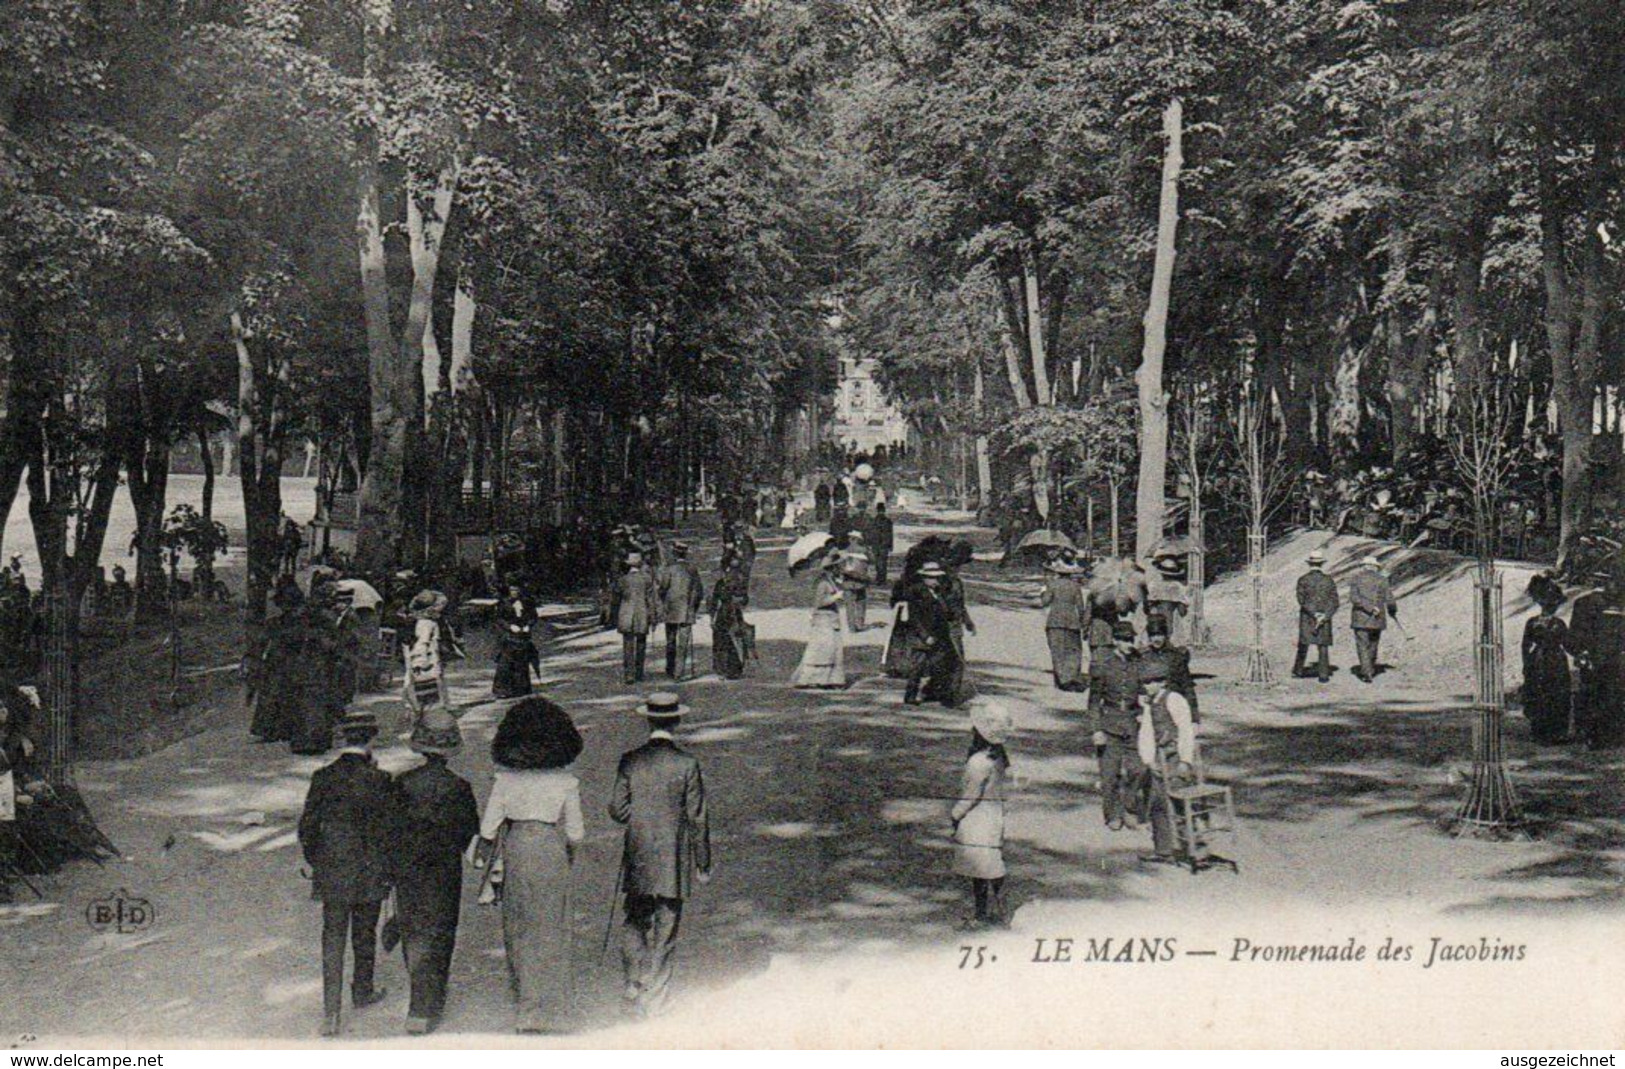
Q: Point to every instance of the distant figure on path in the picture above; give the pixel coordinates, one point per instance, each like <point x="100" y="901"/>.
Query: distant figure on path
<point x="681" y="594"/>
<point x="1114" y="718"/>
<point x="882" y="539"/>
<point x="349" y="832"/>
<point x="1546" y="679"/>
<point x="636" y="594"/>
<point x="823" y="662"/>
<point x="821" y="502"/>
<point x="1066" y="623"/>
<point x="730" y="641"/>
<point x="1317" y="604"/>
<point x="1372" y="602"/>
<point x="516" y="656"/>
<point x="659" y="795"/>
<point x="856" y="574"/>
<point x="935" y="668"/>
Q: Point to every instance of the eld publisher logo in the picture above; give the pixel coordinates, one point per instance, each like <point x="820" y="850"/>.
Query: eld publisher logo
<point x="120" y="912"/>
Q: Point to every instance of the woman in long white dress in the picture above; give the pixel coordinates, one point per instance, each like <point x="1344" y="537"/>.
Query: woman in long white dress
<point x="823" y="662"/>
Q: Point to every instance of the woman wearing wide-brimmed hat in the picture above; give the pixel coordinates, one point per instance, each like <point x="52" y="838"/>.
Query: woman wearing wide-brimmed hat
<point x="531" y="825"/>
<point x="978" y="815"/>
<point x="441" y="818"/>
<point x="1547" y="682"/>
<point x="425" y="687"/>
<point x="823" y="662"/>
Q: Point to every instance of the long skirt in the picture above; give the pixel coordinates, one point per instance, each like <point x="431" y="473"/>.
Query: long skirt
<point x="823" y="662"/>
<point x="515" y="655"/>
<point x="536" y="924"/>
<point x="728" y="642"/>
<point x="1066" y="656"/>
<point x="1546" y="697"/>
<point x="906" y="648"/>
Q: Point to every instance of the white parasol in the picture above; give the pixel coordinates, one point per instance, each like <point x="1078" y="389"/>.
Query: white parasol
<point x="808" y="548"/>
<point x="363" y="595"/>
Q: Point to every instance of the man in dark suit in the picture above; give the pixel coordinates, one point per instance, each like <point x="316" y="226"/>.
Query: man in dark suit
<point x="636" y="594"/>
<point x="660" y="797"/>
<point x="1317" y="601"/>
<point x="882" y="539"/>
<point x="1114" y="717"/>
<point x="349" y="828"/>
<point x="1173" y="662"/>
<point x="682" y="592"/>
<point x="439" y="818"/>
<point x="931" y="616"/>
<point x="1371" y="601"/>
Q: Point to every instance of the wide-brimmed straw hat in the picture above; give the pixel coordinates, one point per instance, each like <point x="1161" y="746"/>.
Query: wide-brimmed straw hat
<point x="663" y="705"/>
<point x="992" y="720"/>
<point x="1317" y="557"/>
<point x="437" y="733"/>
<point x="931" y="569"/>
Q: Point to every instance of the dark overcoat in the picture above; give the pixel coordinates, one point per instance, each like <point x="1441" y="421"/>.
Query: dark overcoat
<point x="1317" y="596"/>
<point x="350" y="830"/>
<point x="439" y="817"/>
<point x="660" y="796"/>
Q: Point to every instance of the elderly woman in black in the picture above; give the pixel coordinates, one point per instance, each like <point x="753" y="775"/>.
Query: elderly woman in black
<point x="530" y="829"/>
<point x="516" y="652"/>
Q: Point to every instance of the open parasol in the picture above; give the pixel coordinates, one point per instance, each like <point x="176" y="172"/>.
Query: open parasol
<point x="863" y="473"/>
<point x="363" y="595"/>
<point x="809" y="548"/>
<point x="1045" y="540"/>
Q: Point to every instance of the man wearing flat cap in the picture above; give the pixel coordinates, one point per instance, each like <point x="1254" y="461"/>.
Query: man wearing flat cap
<point x="1317" y="602"/>
<point x="660" y="796"/>
<point x="1372" y="602"/>
<point x="1114" y="717"/>
<point x="349" y="831"/>
<point x="681" y="594"/>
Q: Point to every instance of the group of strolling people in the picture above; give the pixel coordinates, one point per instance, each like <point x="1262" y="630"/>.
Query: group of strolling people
<point x="387" y="856"/>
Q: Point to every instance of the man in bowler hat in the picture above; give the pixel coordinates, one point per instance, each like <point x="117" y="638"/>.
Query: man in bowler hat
<point x="348" y="831"/>
<point x="440" y="817"/>
<point x="660" y="797"/>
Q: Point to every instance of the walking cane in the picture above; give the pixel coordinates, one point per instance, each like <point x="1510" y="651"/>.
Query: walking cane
<point x="614" y="899"/>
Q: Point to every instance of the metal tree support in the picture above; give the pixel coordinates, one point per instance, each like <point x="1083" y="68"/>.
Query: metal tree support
<point x="58" y="691"/>
<point x="1258" y="661"/>
<point x="1492" y="802"/>
<point x="1196" y="578"/>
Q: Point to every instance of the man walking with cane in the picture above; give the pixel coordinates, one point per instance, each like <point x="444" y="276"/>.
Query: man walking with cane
<point x="1317" y="601"/>
<point x="660" y="796"/>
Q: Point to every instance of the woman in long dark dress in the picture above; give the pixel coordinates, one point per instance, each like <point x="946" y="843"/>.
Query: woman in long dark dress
<point x="533" y="823"/>
<point x="728" y="629"/>
<point x="516" y="652"/>
<point x="440" y="817"/>
<point x="1546" y="680"/>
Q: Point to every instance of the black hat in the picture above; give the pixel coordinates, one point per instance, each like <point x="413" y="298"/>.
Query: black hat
<point x="1545" y="591"/>
<point x="536" y="734"/>
<point x="1123" y="631"/>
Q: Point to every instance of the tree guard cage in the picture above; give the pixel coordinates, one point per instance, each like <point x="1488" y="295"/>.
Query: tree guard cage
<point x="1491" y="802"/>
<point x="1258" y="661"/>
<point x="58" y="690"/>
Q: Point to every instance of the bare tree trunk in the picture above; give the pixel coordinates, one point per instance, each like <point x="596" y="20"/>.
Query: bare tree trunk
<point x="984" y="463"/>
<point x="1150" y="502"/>
<point x="206" y="458"/>
<point x="259" y="436"/>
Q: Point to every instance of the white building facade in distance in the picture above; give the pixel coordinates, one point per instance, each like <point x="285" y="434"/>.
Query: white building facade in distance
<point x="864" y="416"/>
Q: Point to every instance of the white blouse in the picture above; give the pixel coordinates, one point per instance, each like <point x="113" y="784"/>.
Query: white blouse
<point x="551" y="796"/>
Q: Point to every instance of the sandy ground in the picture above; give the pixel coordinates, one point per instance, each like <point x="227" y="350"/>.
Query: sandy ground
<point x="298" y="501"/>
<point x="833" y="915"/>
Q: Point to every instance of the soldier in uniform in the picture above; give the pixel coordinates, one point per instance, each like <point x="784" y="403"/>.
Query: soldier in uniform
<point x="1372" y="603"/>
<point x="1064" y="627"/>
<point x="1317" y="602"/>
<point x="1114" y="717"/>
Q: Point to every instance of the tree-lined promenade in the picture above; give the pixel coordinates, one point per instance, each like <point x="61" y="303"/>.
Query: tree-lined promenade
<point x="1228" y="260"/>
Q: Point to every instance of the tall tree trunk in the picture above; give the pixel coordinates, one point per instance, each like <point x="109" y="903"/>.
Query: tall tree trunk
<point x="1150" y="499"/>
<point x="1467" y="311"/>
<point x="379" y="528"/>
<point x="206" y="458"/>
<point x="984" y="463"/>
<point x="147" y="470"/>
<point x="259" y="436"/>
<point x="1573" y="331"/>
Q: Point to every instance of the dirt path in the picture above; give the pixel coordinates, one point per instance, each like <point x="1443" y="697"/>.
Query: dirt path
<point x="830" y="834"/>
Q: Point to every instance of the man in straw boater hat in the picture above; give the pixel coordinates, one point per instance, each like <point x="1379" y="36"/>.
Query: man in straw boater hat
<point x="1067" y="621"/>
<point x="439" y="817"/>
<point x="1371" y="601"/>
<point x="349" y="832"/>
<point x="1317" y="603"/>
<point x="660" y="797"/>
